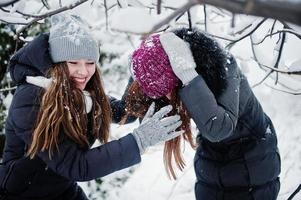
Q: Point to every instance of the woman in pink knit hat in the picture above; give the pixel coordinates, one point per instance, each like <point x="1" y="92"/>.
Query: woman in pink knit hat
<point x="237" y="157"/>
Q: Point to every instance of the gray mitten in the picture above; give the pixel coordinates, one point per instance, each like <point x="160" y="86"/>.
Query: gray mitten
<point x="180" y="57"/>
<point x="156" y="128"/>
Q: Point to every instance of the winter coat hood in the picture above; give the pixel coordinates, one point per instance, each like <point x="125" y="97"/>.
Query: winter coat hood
<point x="210" y="58"/>
<point x="31" y="60"/>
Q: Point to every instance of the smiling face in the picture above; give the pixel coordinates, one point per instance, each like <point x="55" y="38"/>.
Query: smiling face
<point x="81" y="71"/>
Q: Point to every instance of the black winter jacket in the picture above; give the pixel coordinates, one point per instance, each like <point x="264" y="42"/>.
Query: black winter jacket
<point x="44" y="178"/>
<point x="237" y="150"/>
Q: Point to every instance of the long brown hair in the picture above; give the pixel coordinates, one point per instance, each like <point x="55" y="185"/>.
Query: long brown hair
<point x="62" y="113"/>
<point x="137" y="104"/>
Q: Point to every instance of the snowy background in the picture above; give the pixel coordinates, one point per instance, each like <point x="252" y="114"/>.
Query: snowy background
<point x="118" y="37"/>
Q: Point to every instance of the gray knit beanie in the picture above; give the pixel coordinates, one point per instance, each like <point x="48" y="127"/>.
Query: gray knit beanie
<point x="69" y="39"/>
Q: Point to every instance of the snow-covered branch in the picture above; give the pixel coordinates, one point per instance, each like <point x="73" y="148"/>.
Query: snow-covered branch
<point x="282" y="10"/>
<point x="7" y="89"/>
<point x="179" y="11"/>
<point x="50" y="13"/>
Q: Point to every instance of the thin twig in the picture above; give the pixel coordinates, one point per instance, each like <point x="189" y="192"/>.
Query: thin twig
<point x="13" y="23"/>
<point x="167" y="27"/>
<point x="233" y="21"/>
<point x="248" y="34"/>
<point x="45" y="3"/>
<point x="283" y="71"/>
<point x="24" y="14"/>
<point x="254" y="53"/>
<point x="181" y="10"/>
<point x="242" y="30"/>
<point x="279" y="54"/>
<point x="273" y="26"/>
<point x="8" y="89"/>
<point x="106" y="13"/>
<point x="159" y="7"/>
<point x="165" y="7"/>
<point x="71" y="6"/>
<point x="288" y="92"/>
<point x="205" y="17"/>
<point x="8" y="3"/>
<point x="189" y="19"/>
<point x="220" y="37"/>
<point x="266" y="76"/>
<point x="280" y="31"/>
<point x="295" y="192"/>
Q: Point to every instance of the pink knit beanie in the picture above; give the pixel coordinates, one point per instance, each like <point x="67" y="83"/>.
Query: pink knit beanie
<point x="152" y="69"/>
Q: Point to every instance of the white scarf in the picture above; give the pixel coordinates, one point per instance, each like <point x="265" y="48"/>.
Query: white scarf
<point x="45" y="83"/>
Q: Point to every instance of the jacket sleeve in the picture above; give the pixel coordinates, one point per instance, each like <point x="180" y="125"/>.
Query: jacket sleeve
<point x="71" y="161"/>
<point x="118" y="106"/>
<point x="216" y="119"/>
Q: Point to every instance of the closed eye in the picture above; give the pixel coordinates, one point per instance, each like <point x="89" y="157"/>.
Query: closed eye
<point x="73" y="63"/>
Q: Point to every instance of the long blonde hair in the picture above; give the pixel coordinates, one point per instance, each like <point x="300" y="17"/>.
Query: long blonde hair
<point x="137" y="104"/>
<point x="62" y="113"/>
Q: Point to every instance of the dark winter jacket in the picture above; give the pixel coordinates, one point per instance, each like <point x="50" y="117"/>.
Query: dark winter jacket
<point x="237" y="156"/>
<point x="41" y="177"/>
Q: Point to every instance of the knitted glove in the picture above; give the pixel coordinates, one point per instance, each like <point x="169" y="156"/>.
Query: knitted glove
<point x="154" y="128"/>
<point x="180" y="57"/>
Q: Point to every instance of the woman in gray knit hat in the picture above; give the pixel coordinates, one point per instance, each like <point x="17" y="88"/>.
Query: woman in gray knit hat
<point x="58" y="110"/>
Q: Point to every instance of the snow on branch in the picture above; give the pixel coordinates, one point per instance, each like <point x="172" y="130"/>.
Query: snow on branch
<point x="287" y="10"/>
<point x="50" y="13"/>
<point x="282" y="10"/>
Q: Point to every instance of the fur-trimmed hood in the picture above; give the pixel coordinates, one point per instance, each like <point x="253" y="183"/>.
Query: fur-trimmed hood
<point x="31" y="60"/>
<point x="210" y="58"/>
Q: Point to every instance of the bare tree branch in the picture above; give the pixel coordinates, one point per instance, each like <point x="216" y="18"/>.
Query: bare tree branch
<point x="280" y="54"/>
<point x="277" y="32"/>
<point x="165" y="7"/>
<point x="24" y="14"/>
<point x="243" y="29"/>
<point x="45" y="3"/>
<point x="282" y="10"/>
<point x="246" y="35"/>
<point x="283" y="71"/>
<point x="266" y="76"/>
<point x="40" y="17"/>
<point x="13" y="23"/>
<point x="273" y="26"/>
<point x="189" y="19"/>
<point x="7" y="3"/>
<point x="8" y="89"/>
<point x="295" y="192"/>
<point x="106" y="12"/>
<point x="205" y="17"/>
<point x="179" y="11"/>
<point x="288" y="92"/>
<point x="159" y="7"/>
<point x="254" y="53"/>
<point x="220" y="37"/>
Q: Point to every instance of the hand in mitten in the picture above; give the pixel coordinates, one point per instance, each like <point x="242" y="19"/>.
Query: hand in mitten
<point x="156" y="128"/>
<point x="180" y="57"/>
